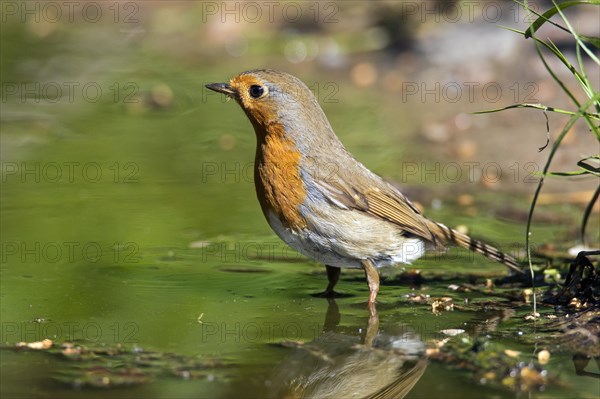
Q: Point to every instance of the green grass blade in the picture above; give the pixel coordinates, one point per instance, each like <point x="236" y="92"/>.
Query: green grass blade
<point x="576" y="35"/>
<point x="571" y="68"/>
<point x="589" y="167"/>
<point x="594" y="41"/>
<point x="586" y="169"/>
<point x="551" y="12"/>
<point x="554" y="49"/>
<point x="587" y="213"/>
<point x="555" y="146"/>
<point x="588" y="88"/>
<point x="540" y="20"/>
<point x="537" y="106"/>
<point x="558" y="54"/>
<point x="570" y="174"/>
<point x="594" y="97"/>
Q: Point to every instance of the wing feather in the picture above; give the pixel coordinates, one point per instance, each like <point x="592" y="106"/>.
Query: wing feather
<point x="387" y="203"/>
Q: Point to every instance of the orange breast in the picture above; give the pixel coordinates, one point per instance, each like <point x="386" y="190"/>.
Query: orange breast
<point x="277" y="177"/>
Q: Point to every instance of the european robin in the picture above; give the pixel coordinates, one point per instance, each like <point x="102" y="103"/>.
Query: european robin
<point x="318" y="198"/>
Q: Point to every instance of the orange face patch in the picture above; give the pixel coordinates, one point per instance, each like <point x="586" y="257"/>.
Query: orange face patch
<point x="260" y="110"/>
<point x="277" y="177"/>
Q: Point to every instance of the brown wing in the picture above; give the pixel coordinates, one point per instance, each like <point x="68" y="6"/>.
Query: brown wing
<point x="385" y="203"/>
<point x="393" y="206"/>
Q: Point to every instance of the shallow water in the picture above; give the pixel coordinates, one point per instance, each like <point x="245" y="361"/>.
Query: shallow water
<point x="172" y="264"/>
<point x="136" y="224"/>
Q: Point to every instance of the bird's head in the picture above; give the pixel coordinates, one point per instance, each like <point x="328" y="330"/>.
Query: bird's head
<point x="273" y="99"/>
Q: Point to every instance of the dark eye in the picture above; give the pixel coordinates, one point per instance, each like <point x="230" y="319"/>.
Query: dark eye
<point x="256" y="91"/>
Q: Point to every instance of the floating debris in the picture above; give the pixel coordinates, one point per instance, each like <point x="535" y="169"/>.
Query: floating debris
<point x="453" y="331"/>
<point x="37" y="345"/>
<point x="490" y="363"/>
<point x="442" y="304"/>
<point x="512" y="353"/>
<point x="543" y="357"/>
<point x="459" y="288"/>
<point x="417" y="298"/>
<point x="489" y="285"/>
<point x="115" y="366"/>
<point x="527" y="294"/>
<point x="532" y="316"/>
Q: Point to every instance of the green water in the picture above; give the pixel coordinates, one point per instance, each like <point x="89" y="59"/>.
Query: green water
<point x="135" y="223"/>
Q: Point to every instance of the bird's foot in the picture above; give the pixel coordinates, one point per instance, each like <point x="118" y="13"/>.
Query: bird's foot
<point x="327" y="294"/>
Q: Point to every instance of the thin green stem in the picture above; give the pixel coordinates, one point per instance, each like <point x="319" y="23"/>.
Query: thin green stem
<point x="553" y="150"/>
<point x="586" y="214"/>
<point x="576" y="35"/>
<point x="581" y="80"/>
<point x="540" y="107"/>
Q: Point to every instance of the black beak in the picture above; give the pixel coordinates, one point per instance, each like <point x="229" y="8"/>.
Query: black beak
<point x="220" y="88"/>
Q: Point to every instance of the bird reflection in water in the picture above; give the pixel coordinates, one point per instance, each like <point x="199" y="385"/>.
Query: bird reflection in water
<point x="342" y="365"/>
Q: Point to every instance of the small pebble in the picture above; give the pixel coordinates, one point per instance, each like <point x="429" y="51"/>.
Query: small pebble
<point x="465" y="200"/>
<point x="453" y="331"/>
<point x="532" y="316"/>
<point x="544" y="357"/>
<point x="461" y="228"/>
<point x="511" y="353"/>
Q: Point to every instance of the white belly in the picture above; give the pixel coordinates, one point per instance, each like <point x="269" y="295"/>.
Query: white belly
<point x="363" y="237"/>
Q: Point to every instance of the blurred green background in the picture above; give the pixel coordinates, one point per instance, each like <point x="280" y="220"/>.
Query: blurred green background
<point x="127" y="201"/>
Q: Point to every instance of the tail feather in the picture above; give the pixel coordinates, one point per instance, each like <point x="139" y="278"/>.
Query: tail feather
<point x="447" y="235"/>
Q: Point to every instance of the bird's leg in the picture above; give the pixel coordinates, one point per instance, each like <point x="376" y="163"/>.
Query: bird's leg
<point x="333" y="275"/>
<point x="332" y="317"/>
<point x="373" y="280"/>
<point x="372" y="328"/>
